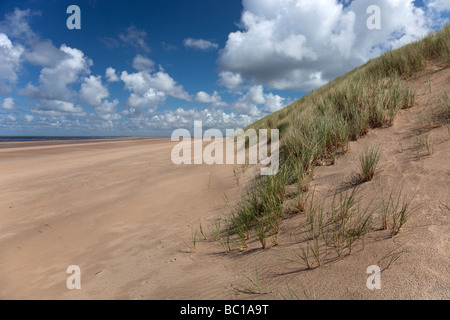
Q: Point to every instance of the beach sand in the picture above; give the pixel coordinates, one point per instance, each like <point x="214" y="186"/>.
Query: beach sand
<point x="120" y="210"/>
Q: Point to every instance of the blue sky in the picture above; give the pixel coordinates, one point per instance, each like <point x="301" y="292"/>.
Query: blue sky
<point x="145" y="68"/>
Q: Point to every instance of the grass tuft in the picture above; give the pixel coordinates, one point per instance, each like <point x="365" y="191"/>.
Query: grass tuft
<point x="369" y="163"/>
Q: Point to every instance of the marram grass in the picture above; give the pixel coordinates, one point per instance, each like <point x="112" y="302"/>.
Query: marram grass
<point x="320" y="126"/>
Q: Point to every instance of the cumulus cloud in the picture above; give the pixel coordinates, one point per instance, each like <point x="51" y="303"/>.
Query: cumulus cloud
<point x="244" y="111"/>
<point x="148" y="100"/>
<point x="273" y="103"/>
<point x="36" y="51"/>
<point x="28" y="117"/>
<point x="54" y="80"/>
<point x="10" y="56"/>
<point x="249" y="103"/>
<point x="111" y="75"/>
<point x="57" y="108"/>
<point x="142" y="81"/>
<point x="11" y="117"/>
<point x="107" y="110"/>
<point x="148" y="90"/>
<point x="142" y="63"/>
<point x="230" y="80"/>
<point x="43" y="53"/>
<point x="8" y="104"/>
<point x="214" y="99"/>
<point x="200" y="44"/>
<point x="93" y="91"/>
<point x="62" y="69"/>
<point x="302" y="44"/>
<point x="184" y="118"/>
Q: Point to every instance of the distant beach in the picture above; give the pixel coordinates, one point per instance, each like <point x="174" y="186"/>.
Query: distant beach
<point x="21" y="141"/>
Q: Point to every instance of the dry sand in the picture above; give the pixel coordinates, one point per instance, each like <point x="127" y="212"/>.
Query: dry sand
<point x="119" y="210"/>
<point x="124" y="213"/>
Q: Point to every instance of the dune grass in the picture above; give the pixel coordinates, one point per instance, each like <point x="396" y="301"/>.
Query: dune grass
<point x="317" y="128"/>
<point x="369" y="163"/>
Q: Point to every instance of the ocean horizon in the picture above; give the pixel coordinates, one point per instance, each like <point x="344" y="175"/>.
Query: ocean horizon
<point x="61" y="138"/>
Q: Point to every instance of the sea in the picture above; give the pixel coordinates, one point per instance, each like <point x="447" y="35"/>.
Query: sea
<point x="59" y="138"/>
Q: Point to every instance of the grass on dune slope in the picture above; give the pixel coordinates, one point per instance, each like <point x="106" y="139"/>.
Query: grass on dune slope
<point x="319" y="126"/>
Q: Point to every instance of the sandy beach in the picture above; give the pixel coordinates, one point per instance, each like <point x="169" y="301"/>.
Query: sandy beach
<point x="120" y="210"/>
<point x="336" y="188"/>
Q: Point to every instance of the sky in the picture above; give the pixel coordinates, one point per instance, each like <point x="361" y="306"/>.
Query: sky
<point x="146" y="68"/>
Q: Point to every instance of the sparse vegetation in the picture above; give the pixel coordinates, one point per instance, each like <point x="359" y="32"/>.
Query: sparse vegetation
<point x="444" y="106"/>
<point x="424" y="141"/>
<point x="396" y="208"/>
<point x="256" y="286"/>
<point x="315" y="131"/>
<point x="390" y="258"/>
<point x="194" y="234"/>
<point x="369" y="163"/>
<point x="292" y="295"/>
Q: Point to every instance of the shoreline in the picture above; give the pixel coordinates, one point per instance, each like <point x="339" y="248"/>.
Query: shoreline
<point x="73" y="141"/>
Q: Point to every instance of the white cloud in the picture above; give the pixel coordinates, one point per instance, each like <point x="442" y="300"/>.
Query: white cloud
<point x="111" y="75"/>
<point x="136" y="82"/>
<point x="8" y="104"/>
<point x="163" y="82"/>
<point x="16" y="24"/>
<point x="249" y="103"/>
<point x="36" y="51"/>
<point x="200" y="44"/>
<point x="54" y="80"/>
<point x="43" y="53"/>
<point x="230" y="80"/>
<point x="148" y="90"/>
<point x="214" y="99"/>
<point x="142" y="63"/>
<point x="106" y="110"/>
<point x="439" y="5"/>
<point x="182" y="118"/>
<point x="57" y="108"/>
<point x="302" y="44"/>
<point x="93" y="91"/>
<point x="11" y="118"/>
<point x="28" y="118"/>
<point x="149" y="100"/>
<point x="273" y="103"/>
<point x="10" y="56"/>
